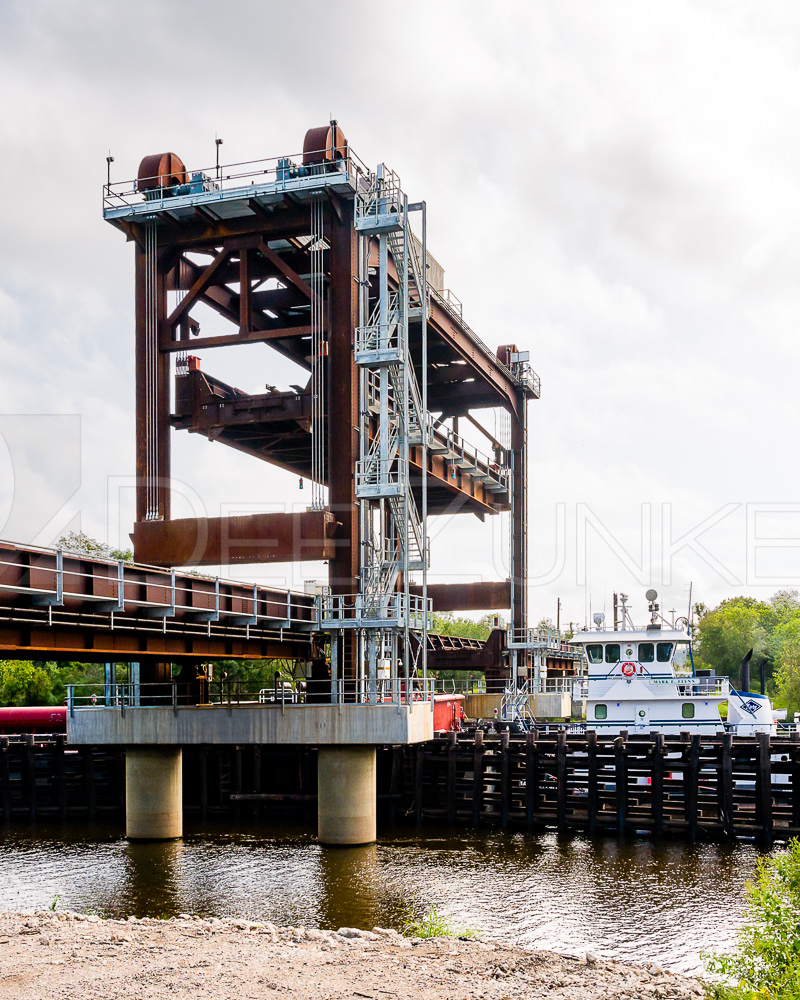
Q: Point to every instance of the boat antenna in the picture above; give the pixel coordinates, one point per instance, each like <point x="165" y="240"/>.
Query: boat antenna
<point x="689" y="615"/>
<point x="623" y="600"/>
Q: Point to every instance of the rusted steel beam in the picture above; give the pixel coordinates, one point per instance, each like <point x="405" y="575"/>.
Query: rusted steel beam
<point x="223" y="541"/>
<point x="491" y="658"/>
<point x="199" y="233"/>
<point x="481" y="360"/>
<point x="75" y="641"/>
<point x="344" y="568"/>
<point x="225" y="302"/>
<point x="485" y="595"/>
<point x="288" y="272"/>
<point x="200" y="284"/>
<point x="247" y="337"/>
<point x="245" y="292"/>
<point x="152" y="392"/>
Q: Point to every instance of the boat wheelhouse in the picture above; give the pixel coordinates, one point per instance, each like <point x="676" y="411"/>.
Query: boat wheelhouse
<point x="641" y="679"/>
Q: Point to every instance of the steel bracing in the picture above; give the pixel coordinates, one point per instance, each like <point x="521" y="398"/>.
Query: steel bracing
<point x="313" y="256"/>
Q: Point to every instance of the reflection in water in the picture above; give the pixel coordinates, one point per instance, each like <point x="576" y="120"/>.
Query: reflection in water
<point x="635" y="900"/>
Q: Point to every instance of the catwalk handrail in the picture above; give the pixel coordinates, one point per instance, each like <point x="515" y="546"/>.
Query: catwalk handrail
<point x="227" y="693"/>
<point x="124" y="194"/>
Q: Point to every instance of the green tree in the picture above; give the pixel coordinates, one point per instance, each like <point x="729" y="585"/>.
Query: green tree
<point x="766" y="960"/>
<point x="82" y="544"/>
<point x="447" y="624"/>
<point x="25" y="683"/>
<point x="787" y="677"/>
<point x="728" y="631"/>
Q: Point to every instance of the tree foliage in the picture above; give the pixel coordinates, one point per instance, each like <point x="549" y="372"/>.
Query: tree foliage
<point x="447" y="624"/>
<point x="82" y="544"/>
<point x="25" y="683"/>
<point x="766" y="960"/>
<point x="770" y="628"/>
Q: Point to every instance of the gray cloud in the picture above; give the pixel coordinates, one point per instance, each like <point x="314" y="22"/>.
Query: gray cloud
<point x="613" y="186"/>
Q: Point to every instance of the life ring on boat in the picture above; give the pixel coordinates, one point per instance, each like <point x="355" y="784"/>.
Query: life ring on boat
<point x="629" y="669"/>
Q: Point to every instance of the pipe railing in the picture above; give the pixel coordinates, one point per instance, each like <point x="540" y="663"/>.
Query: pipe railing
<point x="228" y="694"/>
<point x="229" y="179"/>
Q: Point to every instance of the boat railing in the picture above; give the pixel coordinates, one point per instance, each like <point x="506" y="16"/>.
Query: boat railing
<point x="574" y="685"/>
<point x="687" y="685"/>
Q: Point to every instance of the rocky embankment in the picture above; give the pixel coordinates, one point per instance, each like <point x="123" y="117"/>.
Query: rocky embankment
<point x="69" y="955"/>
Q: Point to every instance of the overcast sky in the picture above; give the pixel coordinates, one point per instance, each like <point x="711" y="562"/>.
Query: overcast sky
<point x="611" y="185"/>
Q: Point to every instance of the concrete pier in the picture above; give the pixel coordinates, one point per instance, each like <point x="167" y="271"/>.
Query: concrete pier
<point x="153" y="793"/>
<point x="347" y="795"/>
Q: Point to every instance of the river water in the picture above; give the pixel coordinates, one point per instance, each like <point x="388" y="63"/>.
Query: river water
<point x="633" y="900"/>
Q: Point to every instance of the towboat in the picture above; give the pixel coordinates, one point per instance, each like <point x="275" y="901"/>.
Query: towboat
<point x="642" y="679"/>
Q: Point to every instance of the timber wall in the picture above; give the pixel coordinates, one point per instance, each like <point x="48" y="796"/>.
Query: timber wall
<point x="699" y="787"/>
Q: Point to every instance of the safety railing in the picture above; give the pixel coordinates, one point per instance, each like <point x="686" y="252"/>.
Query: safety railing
<point x="451" y="686"/>
<point x="245" y="177"/>
<point x="523" y="373"/>
<point x="576" y="687"/>
<point x="445" y="299"/>
<point x="543" y="637"/>
<point x="230" y="694"/>
<point x="377" y="477"/>
<point x="382" y="195"/>
<point x="52" y="577"/>
<point x="381" y="343"/>
<point x="686" y="685"/>
<point x="373" y="611"/>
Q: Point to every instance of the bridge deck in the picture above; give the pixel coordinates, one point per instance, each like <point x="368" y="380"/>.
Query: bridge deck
<point x="61" y="605"/>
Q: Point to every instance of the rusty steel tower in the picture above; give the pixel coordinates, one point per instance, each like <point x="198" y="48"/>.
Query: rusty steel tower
<point x="324" y="260"/>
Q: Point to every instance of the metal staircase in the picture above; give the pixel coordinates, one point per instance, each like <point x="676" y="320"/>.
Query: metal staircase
<point x="515" y="706"/>
<point x="393" y="419"/>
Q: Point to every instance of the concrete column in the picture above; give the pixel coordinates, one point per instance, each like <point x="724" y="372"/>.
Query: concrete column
<point x="153" y="793"/>
<point x="347" y="792"/>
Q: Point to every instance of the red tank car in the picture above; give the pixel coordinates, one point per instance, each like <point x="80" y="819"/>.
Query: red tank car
<point x="34" y="719"/>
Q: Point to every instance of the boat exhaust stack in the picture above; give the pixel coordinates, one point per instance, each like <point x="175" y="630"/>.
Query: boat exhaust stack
<point x="745" y="681"/>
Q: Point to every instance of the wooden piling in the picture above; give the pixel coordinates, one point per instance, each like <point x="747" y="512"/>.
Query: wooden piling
<point x="477" y="778"/>
<point x="531" y="780"/>
<point x="726" y="786"/>
<point x="561" y="781"/>
<point x="395" y="782"/>
<point x="764" y="790"/>
<point x="451" y="778"/>
<point x="591" y="777"/>
<point x="29" y="772"/>
<point x="203" y="779"/>
<point x="621" y="781"/>
<point x="505" y="791"/>
<point x="5" y="778"/>
<point x="657" y="784"/>
<point x="691" y="776"/>
<point x="87" y="762"/>
<point x="419" y="775"/>
<point x="59" y="775"/>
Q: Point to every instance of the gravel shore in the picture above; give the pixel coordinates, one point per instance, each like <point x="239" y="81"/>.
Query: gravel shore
<point x="69" y="955"/>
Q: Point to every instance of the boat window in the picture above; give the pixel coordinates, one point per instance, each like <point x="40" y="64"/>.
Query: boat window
<point x="646" y="652"/>
<point x="664" y="652"/>
<point x="687" y="709"/>
<point x="601" y="711"/>
<point x="595" y="652"/>
<point x="612" y="652"/>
